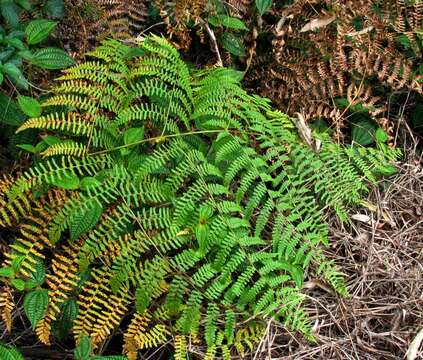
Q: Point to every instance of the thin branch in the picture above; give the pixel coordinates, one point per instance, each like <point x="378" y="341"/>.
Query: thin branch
<point x="214" y="42"/>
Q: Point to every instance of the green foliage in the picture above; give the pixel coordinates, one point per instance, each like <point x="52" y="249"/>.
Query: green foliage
<point x="9" y="353"/>
<point x="11" y="10"/>
<point x="83" y="350"/>
<point x="233" y="43"/>
<point x="363" y="132"/>
<point x="10" y="114"/>
<point x="84" y="219"/>
<point x="30" y="106"/>
<point x="38" y="30"/>
<point x="63" y="325"/>
<point x="51" y="58"/>
<point x="199" y="206"/>
<point x="35" y="305"/>
<point x="228" y="22"/>
<point x="263" y="6"/>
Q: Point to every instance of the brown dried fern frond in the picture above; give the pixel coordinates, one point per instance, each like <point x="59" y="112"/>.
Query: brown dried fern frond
<point x="323" y="48"/>
<point x="7" y="305"/>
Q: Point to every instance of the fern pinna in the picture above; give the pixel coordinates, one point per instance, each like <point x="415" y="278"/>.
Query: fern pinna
<point x="175" y="199"/>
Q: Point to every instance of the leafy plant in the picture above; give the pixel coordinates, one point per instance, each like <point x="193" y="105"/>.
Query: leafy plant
<point x="15" y="48"/>
<point x="177" y="198"/>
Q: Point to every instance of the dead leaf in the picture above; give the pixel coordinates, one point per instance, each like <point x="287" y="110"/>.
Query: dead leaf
<point x="311" y="284"/>
<point x="380" y="225"/>
<point x="362" y="218"/>
<point x="317" y="24"/>
<point x="305" y="133"/>
<point x="361" y="32"/>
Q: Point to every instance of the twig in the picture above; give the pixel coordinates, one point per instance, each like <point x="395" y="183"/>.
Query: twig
<point x="214" y="42"/>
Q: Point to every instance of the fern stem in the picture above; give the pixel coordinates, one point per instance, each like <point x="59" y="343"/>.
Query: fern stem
<point x="156" y="139"/>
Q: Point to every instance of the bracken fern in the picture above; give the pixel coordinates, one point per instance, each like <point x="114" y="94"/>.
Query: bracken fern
<point x="177" y="199"/>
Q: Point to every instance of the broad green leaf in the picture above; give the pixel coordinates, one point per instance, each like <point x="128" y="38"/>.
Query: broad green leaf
<point x="41" y="146"/>
<point x="83" y="350"/>
<point x="133" y="135"/>
<point x="9" y="11"/>
<point x="202" y="234"/>
<point x="235" y="74"/>
<point x="15" y="42"/>
<point x="233" y="44"/>
<point x="233" y="23"/>
<point x="38" y="30"/>
<point x="228" y="21"/>
<point x="18" y="284"/>
<point x="404" y="41"/>
<point x="342" y="102"/>
<point x="26" y="55"/>
<point x="363" y="132"/>
<point x="35" y="305"/>
<point x="263" y="6"/>
<point x="1" y="78"/>
<point x="15" y="74"/>
<point x="27" y="147"/>
<point x="10" y="113"/>
<point x="9" y="353"/>
<point x="319" y="125"/>
<point x="24" y="4"/>
<point x="16" y="262"/>
<point x="67" y="181"/>
<point x="388" y="170"/>
<point x="39" y="274"/>
<point x="6" y="54"/>
<point x="52" y="59"/>
<point x="206" y="212"/>
<point x="51" y="140"/>
<point x="29" y="106"/>
<point x="84" y="219"/>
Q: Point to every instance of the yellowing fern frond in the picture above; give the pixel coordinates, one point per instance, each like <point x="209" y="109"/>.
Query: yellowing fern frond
<point x="180" y="347"/>
<point x="100" y="311"/>
<point x="62" y="280"/>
